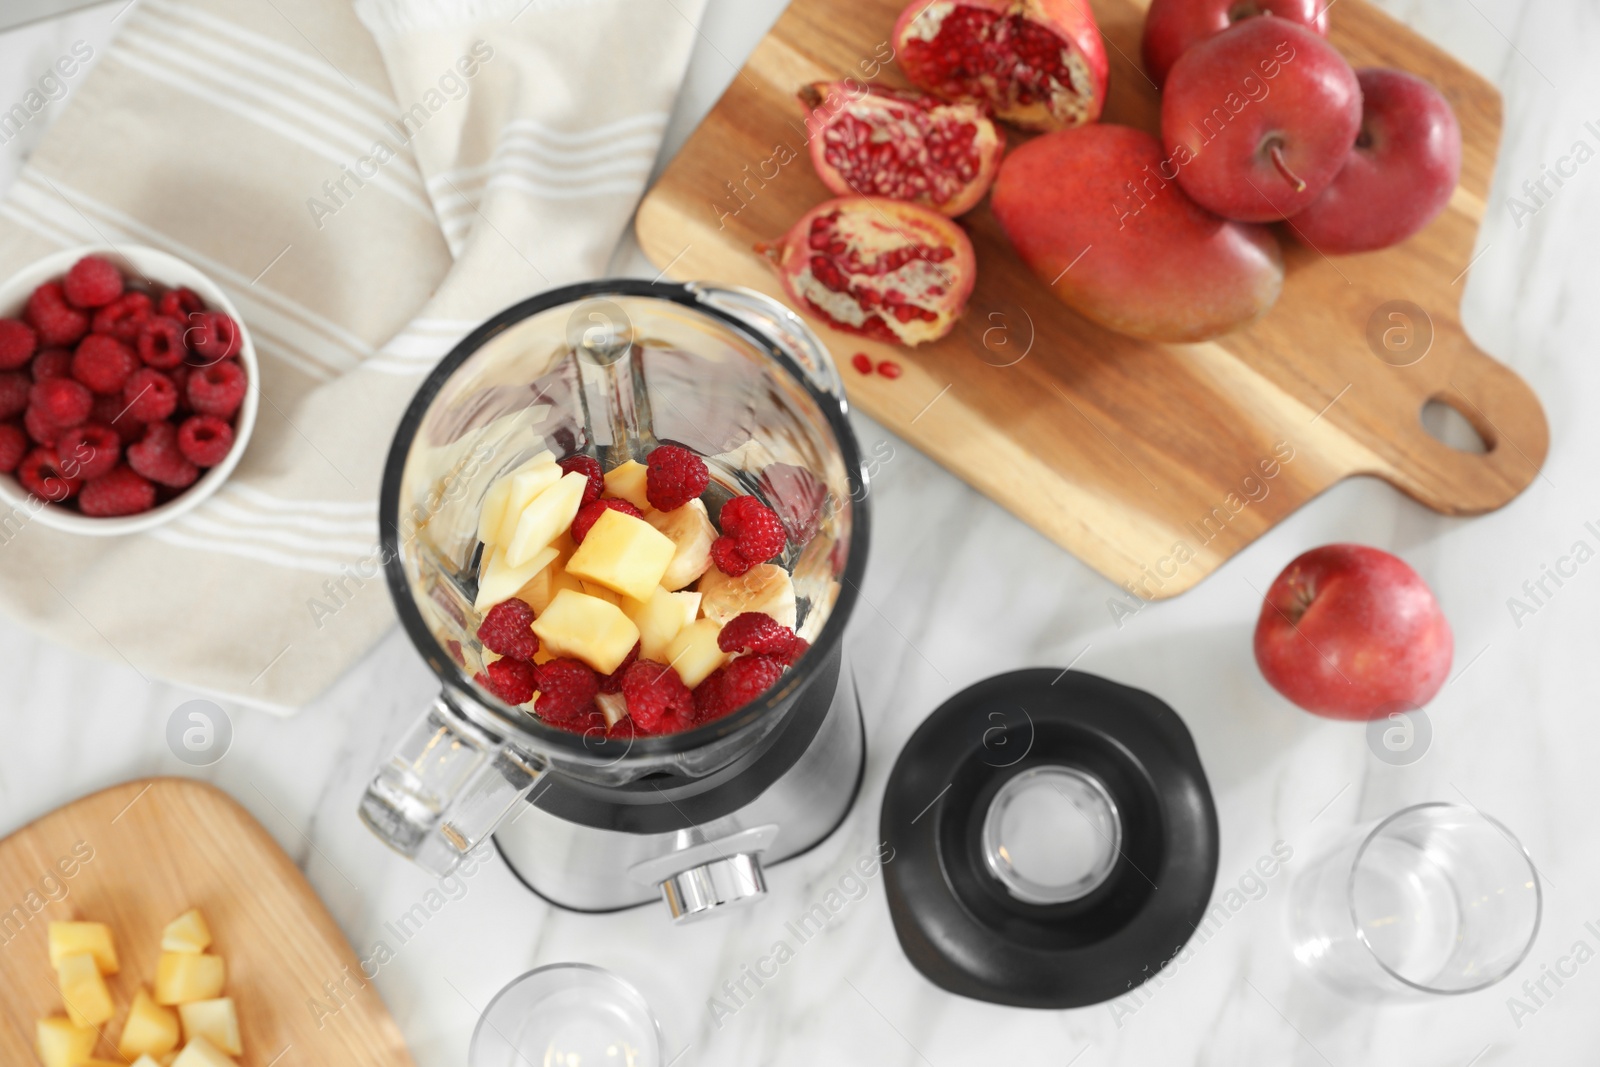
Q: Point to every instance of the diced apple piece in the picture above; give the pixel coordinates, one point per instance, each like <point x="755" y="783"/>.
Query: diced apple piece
<point x="492" y="512"/>
<point x="151" y="1029"/>
<point x="187" y="933"/>
<point x="623" y="553"/>
<point x="538" y="593"/>
<point x="83" y="990"/>
<point x="660" y="618"/>
<point x="69" y="939"/>
<point x="627" y="483"/>
<point x="146" y="1061"/>
<point x="690" y="531"/>
<point x="202" y="1053"/>
<point x="587" y="628"/>
<point x="185" y="976"/>
<point x="613" y="706"/>
<point x="765" y="587"/>
<point x="595" y="589"/>
<point x="549" y="513"/>
<point x="501" y="581"/>
<point x="538" y="472"/>
<point x="61" y="1044"/>
<point x="215" y="1020"/>
<point x="693" y="653"/>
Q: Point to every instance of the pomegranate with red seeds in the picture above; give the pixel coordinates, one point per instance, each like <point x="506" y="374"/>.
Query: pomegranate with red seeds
<point x="905" y="145"/>
<point x="884" y="269"/>
<point x="1039" y="64"/>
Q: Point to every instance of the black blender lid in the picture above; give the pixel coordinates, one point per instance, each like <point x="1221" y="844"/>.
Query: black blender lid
<point x="1054" y="840"/>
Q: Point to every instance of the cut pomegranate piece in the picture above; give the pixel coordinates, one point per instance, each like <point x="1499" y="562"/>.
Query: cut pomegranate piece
<point x="871" y="141"/>
<point x="1039" y="64"/>
<point x="880" y="268"/>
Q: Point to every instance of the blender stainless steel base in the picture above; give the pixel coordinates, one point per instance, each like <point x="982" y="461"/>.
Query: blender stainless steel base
<point x="702" y="868"/>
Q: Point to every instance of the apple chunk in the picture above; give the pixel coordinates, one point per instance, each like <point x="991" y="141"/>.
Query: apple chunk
<point x="150" y="1030"/>
<point x="660" y="618"/>
<point x="694" y="654"/>
<point x="61" y="1044"/>
<point x="202" y="1053"/>
<point x="546" y="515"/>
<point x="187" y="933"/>
<point x="185" y="976"/>
<point x="588" y="629"/>
<point x="627" y="482"/>
<point x="215" y="1020"/>
<point x="501" y="581"/>
<point x="69" y="939"/>
<point x="624" y="554"/>
<point x="691" y="533"/>
<point x="523" y="484"/>
<point x="83" y="990"/>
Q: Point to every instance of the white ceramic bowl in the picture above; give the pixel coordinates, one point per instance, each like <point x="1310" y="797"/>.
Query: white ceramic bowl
<point x="136" y="261"/>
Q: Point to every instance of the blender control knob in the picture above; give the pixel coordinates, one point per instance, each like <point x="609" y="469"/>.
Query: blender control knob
<point x="699" y="892"/>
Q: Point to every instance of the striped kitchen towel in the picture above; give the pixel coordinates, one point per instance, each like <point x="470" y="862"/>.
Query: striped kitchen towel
<point x="367" y="181"/>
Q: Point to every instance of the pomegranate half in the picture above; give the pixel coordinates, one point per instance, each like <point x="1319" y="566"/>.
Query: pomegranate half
<point x="905" y="145"/>
<point x="1038" y="64"/>
<point x="881" y="268"/>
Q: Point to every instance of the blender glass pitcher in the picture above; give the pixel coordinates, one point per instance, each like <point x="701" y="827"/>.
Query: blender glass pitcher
<point x="610" y="368"/>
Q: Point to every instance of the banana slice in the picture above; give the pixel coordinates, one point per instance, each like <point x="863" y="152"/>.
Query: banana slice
<point x="766" y="588"/>
<point x="690" y="530"/>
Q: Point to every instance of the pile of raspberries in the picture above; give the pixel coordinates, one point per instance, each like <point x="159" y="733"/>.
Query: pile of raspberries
<point x="114" y="398"/>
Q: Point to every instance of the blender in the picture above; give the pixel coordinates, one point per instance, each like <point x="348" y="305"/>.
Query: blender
<point x="592" y="822"/>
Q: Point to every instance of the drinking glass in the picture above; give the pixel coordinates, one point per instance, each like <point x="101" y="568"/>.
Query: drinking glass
<point x="1435" y="899"/>
<point x="567" y="1015"/>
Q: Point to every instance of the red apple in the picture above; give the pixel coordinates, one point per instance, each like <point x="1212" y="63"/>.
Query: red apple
<point x="1094" y="212"/>
<point x="1400" y="174"/>
<point x="1351" y="632"/>
<point x="1172" y="27"/>
<point x="1259" y="119"/>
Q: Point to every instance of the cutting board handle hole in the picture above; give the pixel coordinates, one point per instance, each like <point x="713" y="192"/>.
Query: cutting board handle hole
<point x="1463" y="430"/>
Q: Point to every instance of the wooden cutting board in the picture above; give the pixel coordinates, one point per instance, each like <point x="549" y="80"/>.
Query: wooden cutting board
<point x="1145" y="460"/>
<point x="142" y="853"/>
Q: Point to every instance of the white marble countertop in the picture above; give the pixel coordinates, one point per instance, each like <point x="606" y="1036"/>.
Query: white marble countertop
<point x="957" y="582"/>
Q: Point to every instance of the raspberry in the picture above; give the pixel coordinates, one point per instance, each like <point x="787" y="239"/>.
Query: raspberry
<point x="40" y="474"/>
<point x="727" y="558"/>
<point x="92" y="282"/>
<point x="505" y="628"/>
<point x="61" y="400"/>
<point x="566" y="690"/>
<point x="735" y="684"/>
<point x="180" y="381"/>
<point x="178" y="303"/>
<point x="156" y="456"/>
<point x="56" y="321"/>
<point x="589" y="724"/>
<point x="113" y="412"/>
<point x="206" y="440"/>
<point x="122" y="492"/>
<point x="161" y="342"/>
<point x="675" y="477"/>
<point x="13" y="446"/>
<point x="751" y="533"/>
<point x="589" y="466"/>
<point x="590" y="513"/>
<point x="149" y="396"/>
<point x="40" y="426"/>
<point x="753" y="631"/>
<point x="512" y="680"/>
<point x="217" y="389"/>
<point x="612" y="683"/>
<point x="17" y="343"/>
<point x="89" y="451"/>
<point x="103" y="364"/>
<point x="212" y="336"/>
<point x="52" y="363"/>
<point x="14" y="389"/>
<point x="658" y="701"/>
<point x="124" y="317"/>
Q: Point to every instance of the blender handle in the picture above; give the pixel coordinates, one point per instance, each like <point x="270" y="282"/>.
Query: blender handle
<point x="446" y="788"/>
<point x="783" y="327"/>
